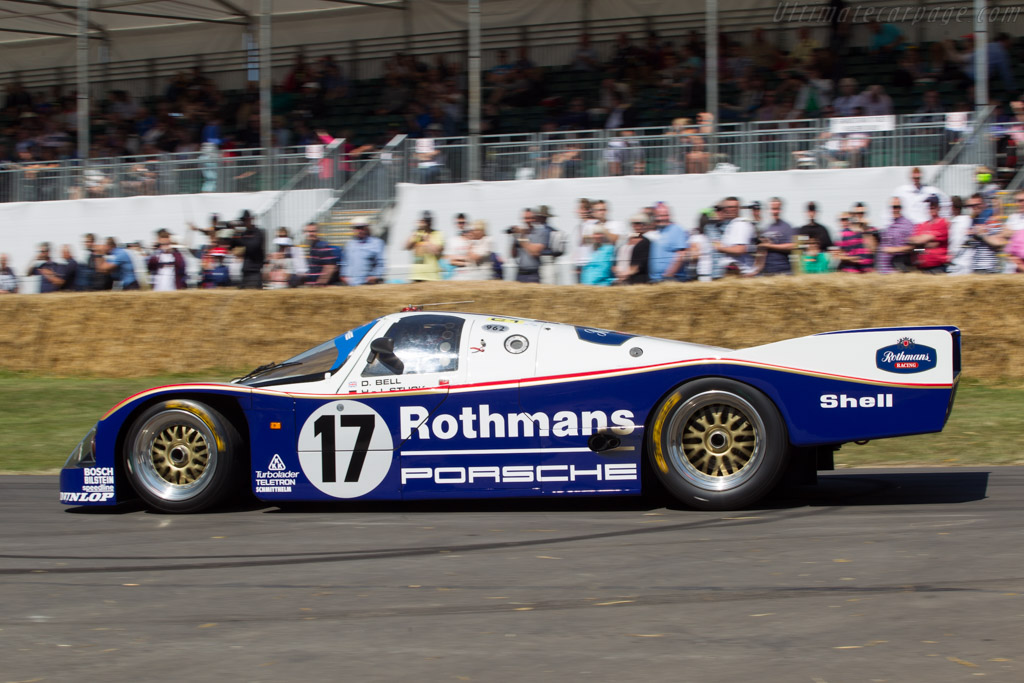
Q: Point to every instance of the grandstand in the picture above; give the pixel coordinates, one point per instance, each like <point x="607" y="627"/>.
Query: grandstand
<point x="159" y="55"/>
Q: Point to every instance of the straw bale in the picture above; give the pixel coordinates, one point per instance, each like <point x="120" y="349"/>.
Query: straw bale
<point x="123" y="334"/>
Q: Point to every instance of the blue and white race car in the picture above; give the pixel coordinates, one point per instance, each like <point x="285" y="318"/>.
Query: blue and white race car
<point x="430" y="405"/>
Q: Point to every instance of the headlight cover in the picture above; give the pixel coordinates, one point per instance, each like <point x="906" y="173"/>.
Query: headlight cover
<point x="84" y="454"/>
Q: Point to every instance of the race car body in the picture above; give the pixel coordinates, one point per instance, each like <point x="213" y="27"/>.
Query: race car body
<point x="449" y="405"/>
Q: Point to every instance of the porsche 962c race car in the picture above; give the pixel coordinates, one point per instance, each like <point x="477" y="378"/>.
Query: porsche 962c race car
<point x="430" y="405"/>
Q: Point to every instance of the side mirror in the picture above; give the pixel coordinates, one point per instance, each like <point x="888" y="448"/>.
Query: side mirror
<point x="383" y="349"/>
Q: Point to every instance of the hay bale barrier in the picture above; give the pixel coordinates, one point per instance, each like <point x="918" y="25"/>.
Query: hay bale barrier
<point x="135" y="334"/>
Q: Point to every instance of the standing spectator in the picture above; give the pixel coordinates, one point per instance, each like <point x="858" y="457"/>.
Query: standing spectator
<point x="470" y="253"/>
<point x="915" y="197"/>
<point x="612" y="230"/>
<point x="815" y="260"/>
<point x="364" y="256"/>
<point x="215" y="271"/>
<point x="869" y="233"/>
<point x="634" y="255"/>
<point x="320" y="258"/>
<point x="931" y="240"/>
<point x="849" y="101"/>
<point x="815" y="230"/>
<point x="1015" y="252"/>
<point x="776" y="242"/>
<point x="598" y="271"/>
<point x="961" y="250"/>
<point x="669" y="243"/>
<point x="426" y="245"/>
<point x="8" y="280"/>
<point x="117" y="262"/>
<point x="49" y="271"/>
<point x="894" y="252"/>
<point x="582" y="233"/>
<point x="139" y="259"/>
<point x="1015" y="222"/>
<point x="852" y="252"/>
<point x="166" y="265"/>
<point x="531" y="240"/>
<point x="988" y="236"/>
<point x="69" y="269"/>
<point x="85" y="275"/>
<point x="738" y="235"/>
<point x="252" y="242"/>
<point x="294" y="257"/>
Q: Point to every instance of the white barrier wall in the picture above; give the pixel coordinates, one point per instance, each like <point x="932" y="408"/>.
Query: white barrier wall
<point x="501" y="203"/>
<point x="23" y="225"/>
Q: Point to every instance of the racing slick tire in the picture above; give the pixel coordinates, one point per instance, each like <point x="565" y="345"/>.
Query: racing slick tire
<point x="717" y="444"/>
<point x="182" y="456"/>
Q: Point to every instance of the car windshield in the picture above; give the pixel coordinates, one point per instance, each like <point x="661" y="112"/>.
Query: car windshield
<point x="314" y="364"/>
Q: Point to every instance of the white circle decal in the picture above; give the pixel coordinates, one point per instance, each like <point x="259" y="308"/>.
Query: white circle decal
<point x="345" y="449"/>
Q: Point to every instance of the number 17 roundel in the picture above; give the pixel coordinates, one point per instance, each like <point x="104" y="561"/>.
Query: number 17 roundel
<point x="345" y="449"/>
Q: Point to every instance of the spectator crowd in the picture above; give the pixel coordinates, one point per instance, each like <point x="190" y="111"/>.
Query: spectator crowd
<point x="653" y="81"/>
<point x="921" y="230"/>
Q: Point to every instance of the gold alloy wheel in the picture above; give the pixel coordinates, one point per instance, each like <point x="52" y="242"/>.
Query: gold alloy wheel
<point x="715" y="440"/>
<point x="173" y="455"/>
<point x="180" y="454"/>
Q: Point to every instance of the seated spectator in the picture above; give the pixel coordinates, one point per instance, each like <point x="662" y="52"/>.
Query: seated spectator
<point x="585" y="58"/>
<point x="849" y="100"/>
<point x="598" y="270"/>
<point x="624" y="155"/>
<point x="469" y="252"/>
<point x="429" y="157"/>
<point x="802" y="53"/>
<point x="886" y="39"/>
<point x="764" y="54"/>
<point x="875" y="102"/>
<point x="363" y="263"/>
<point x="8" y="280"/>
<point x="748" y="100"/>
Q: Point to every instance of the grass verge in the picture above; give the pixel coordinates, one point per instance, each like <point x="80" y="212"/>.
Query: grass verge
<point x="44" y="417"/>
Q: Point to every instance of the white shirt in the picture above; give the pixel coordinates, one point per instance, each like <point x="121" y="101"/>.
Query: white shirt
<point x="163" y="279"/>
<point x="583" y="250"/>
<point x="962" y="258"/>
<point x="738" y="231"/>
<point x="915" y="205"/>
<point x="470" y="250"/>
<point x="705" y="261"/>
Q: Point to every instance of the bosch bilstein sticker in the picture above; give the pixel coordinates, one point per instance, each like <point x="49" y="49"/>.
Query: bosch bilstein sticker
<point x="906" y="357"/>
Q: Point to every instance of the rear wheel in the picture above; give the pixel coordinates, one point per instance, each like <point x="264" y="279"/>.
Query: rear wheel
<point x="716" y="444"/>
<point x="181" y="456"/>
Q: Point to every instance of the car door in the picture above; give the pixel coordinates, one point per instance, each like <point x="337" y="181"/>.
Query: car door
<point x="347" y="446"/>
<point x="479" y="439"/>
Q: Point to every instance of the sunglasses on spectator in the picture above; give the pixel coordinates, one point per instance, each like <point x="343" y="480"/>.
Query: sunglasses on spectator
<point x="896" y="207"/>
<point x="973" y="205"/>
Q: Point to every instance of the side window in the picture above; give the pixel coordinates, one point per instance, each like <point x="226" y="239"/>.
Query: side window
<point x="424" y="343"/>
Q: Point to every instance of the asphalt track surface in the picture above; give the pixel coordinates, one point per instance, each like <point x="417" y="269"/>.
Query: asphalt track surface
<point x="874" y="575"/>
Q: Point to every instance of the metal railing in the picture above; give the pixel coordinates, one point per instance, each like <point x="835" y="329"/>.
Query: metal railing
<point x="212" y="170"/>
<point x="975" y="147"/>
<point x="368" y="181"/>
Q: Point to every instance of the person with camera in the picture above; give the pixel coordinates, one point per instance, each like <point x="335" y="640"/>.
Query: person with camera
<point x="738" y="238"/>
<point x="252" y="242"/>
<point x="530" y="241"/>
<point x="426" y="245"/>
<point x="166" y="266"/>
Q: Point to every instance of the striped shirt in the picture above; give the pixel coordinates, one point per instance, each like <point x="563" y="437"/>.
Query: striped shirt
<point x="851" y="243"/>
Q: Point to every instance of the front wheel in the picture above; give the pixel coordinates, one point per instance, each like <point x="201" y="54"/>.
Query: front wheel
<point x="716" y="444"/>
<point x="181" y="456"/>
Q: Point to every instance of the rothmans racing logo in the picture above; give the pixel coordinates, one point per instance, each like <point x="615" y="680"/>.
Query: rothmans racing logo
<point x="481" y="423"/>
<point x="905" y="357"/>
